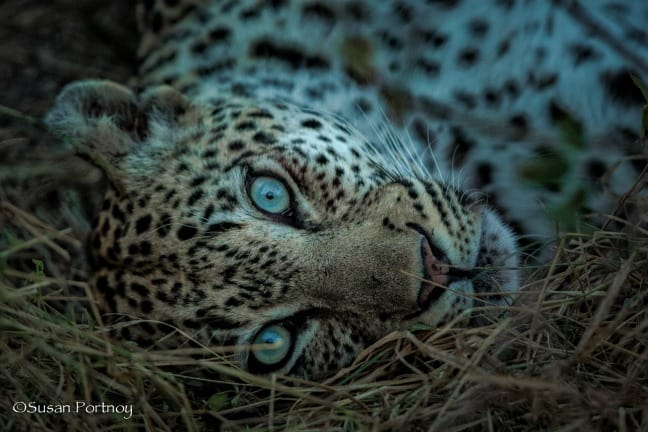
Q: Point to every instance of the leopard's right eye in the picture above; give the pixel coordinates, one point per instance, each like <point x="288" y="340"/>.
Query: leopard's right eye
<point x="270" y="195"/>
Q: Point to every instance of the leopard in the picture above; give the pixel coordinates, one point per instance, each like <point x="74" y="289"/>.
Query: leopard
<point x="299" y="178"/>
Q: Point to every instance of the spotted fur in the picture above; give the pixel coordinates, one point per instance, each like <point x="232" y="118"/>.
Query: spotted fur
<point x="377" y="117"/>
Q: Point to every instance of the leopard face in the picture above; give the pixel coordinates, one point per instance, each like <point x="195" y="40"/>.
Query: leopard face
<point x="246" y="222"/>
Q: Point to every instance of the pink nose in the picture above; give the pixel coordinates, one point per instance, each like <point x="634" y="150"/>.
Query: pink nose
<point x="434" y="275"/>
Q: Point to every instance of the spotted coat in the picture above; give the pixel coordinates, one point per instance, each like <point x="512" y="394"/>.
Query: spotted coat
<point x="378" y="120"/>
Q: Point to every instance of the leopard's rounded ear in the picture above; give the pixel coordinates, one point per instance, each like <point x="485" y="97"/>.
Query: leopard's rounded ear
<point x="166" y="102"/>
<point x="84" y="107"/>
<point x="97" y="118"/>
<point x="107" y="122"/>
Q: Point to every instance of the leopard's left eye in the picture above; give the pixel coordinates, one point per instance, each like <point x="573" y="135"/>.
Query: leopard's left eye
<point x="269" y="195"/>
<point x="278" y="340"/>
<point x="273" y="347"/>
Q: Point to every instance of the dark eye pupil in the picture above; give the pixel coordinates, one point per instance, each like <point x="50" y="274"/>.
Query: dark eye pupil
<point x="269" y="196"/>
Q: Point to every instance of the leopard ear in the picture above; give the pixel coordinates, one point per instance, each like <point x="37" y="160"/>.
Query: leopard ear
<point x="108" y="123"/>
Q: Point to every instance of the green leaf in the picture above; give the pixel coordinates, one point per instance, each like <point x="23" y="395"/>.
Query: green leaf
<point x="546" y="170"/>
<point x="569" y="213"/>
<point x="420" y="327"/>
<point x="10" y="238"/>
<point x="643" y="133"/>
<point x="572" y="132"/>
<point x="40" y="267"/>
<point x="358" y="56"/>
<point x="642" y="86"/>
<point x="218" y="401"/>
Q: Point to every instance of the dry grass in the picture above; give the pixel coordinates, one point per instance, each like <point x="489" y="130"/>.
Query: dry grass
<point x="571" y="355"/>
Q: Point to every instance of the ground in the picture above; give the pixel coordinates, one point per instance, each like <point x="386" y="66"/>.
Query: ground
<point x="43" y="46"/>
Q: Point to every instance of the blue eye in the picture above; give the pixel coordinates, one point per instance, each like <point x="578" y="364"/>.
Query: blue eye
<point x="275" y="335"/>
<point x="270" y="195"/>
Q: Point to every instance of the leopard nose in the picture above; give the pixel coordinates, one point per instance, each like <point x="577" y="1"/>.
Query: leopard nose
<point x="435" y="277"/>
<point x="438" y="271"/>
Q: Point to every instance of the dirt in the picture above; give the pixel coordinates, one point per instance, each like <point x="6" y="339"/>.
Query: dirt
<point x="47" y="44"/>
